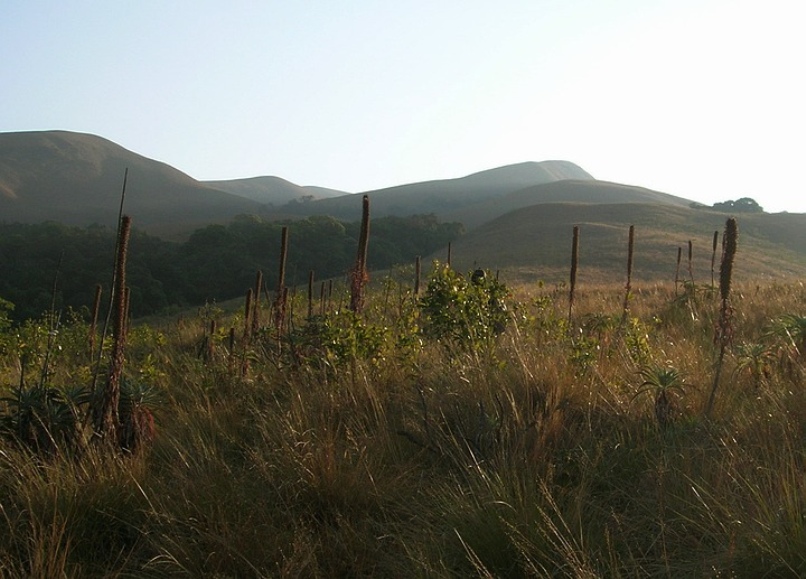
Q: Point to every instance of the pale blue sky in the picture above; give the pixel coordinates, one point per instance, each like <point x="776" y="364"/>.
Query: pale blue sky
<point x="699" y="98"/>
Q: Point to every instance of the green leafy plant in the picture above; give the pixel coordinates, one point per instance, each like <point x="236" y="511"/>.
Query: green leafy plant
<point x="137" y="402"/>
<point x="44" y="418"/>
<point x="6" y="308"/>
<point x="755" y="359"/>
<point x="664" y="383"/>
<point x="636" y="341"/>
<point x="338" y="337"/>
<point x="789" y="331"/>
<point x="461" y="311"/>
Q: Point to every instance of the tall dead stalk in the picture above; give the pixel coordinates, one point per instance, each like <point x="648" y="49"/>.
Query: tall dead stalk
<point x="574" y="264"/>
<point x="256" y="305"/>
<point x="280" y="296"/>
<point x="724" y="329"/>
<point x="359" y="277"/>
<point x="106" y="412"/>
<point x="625" y="310"/>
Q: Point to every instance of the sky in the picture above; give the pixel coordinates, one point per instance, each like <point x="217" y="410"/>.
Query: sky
<point x="698" y="98"/>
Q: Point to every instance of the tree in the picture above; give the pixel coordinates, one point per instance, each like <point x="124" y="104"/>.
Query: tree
<point x="742" y="205"/>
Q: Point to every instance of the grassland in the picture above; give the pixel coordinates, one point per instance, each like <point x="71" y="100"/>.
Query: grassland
<point x="772" y="246"/>
<point x="363" y="446"/>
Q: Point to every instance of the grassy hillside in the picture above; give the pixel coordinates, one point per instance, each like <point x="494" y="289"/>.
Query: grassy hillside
<point x="566" y="191"/>
<point x="535" y="242"/>
<point x="76" y="179"/>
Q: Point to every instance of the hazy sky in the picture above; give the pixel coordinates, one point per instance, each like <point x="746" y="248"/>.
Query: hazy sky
<point x="699" y="98"/>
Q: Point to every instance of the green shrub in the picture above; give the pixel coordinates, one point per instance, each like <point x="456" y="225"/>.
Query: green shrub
<point x="463" y="312"/>
<point x="338" y="337"/>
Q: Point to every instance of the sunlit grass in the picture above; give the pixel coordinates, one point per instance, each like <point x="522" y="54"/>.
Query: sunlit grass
<point x="529" y="456"/>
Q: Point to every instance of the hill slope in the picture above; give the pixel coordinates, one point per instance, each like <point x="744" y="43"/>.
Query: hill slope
<point x="271" y="190"/>
<point x="535" y="242"/>
<point x="522" y="214"/>
<point x="446" y="196"/>
<point x="565" y="191"/>
<point x="76" y="178"/>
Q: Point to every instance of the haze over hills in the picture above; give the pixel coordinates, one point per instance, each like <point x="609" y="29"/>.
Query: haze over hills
<point x="518" y="216"/>
<point x="565" y="191"/>
<point x="445" y="197"/>
<point x="76" y="178"/>
<point x="272" y="190"/>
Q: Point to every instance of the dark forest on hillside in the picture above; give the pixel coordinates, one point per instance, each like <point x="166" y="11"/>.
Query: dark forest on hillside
<point x="217" y="262"/>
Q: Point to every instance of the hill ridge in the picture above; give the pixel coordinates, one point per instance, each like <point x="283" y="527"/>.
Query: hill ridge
<point x="76" y="179"/>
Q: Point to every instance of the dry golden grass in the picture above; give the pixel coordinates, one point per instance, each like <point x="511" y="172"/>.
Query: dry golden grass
<point x="529" y="457"/>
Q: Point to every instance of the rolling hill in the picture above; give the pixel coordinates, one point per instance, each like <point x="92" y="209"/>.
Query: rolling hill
<point x="519" y="216"/>
<point x="76" y="179"/>
<point x="565" y="191"/>
<point x="446" y="197"/>
<point x="535" y="242"/>
<point x="272" y="190"/>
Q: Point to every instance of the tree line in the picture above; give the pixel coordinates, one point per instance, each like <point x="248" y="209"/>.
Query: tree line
<point x="48" y="264"/>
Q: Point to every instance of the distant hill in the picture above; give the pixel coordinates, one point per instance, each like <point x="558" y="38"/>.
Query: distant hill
<point x="519" y="216"/>
<point x="76" y="179"/>
<point x="535" y="242"/>
<point x="565" y="191"/>
<point x="446" y="197"/>
<point x="272" y="190"/>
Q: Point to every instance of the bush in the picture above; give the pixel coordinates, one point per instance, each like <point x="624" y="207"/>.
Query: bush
<point x="463" y="312"/>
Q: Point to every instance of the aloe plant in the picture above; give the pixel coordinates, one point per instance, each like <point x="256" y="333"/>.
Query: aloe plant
<point x="754" y="359"/>
<point x="791" y="329"/>
<point x="664" y="383"/>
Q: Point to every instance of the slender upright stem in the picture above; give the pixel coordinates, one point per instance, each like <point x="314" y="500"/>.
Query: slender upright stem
<point x="713" y="256"/>
<point x="690" y="264"/>
<point x="417" y="273"/>
<point x="628" y="287"/>
<point x="310" y="294"/>
<point x="359" y="274"/>
<point x="280" y="295"/>
<point x="574" y="264"/>
<point x="256" y="304"/>
<point x="96" y="307"/>
<point x="247" y="331"/>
